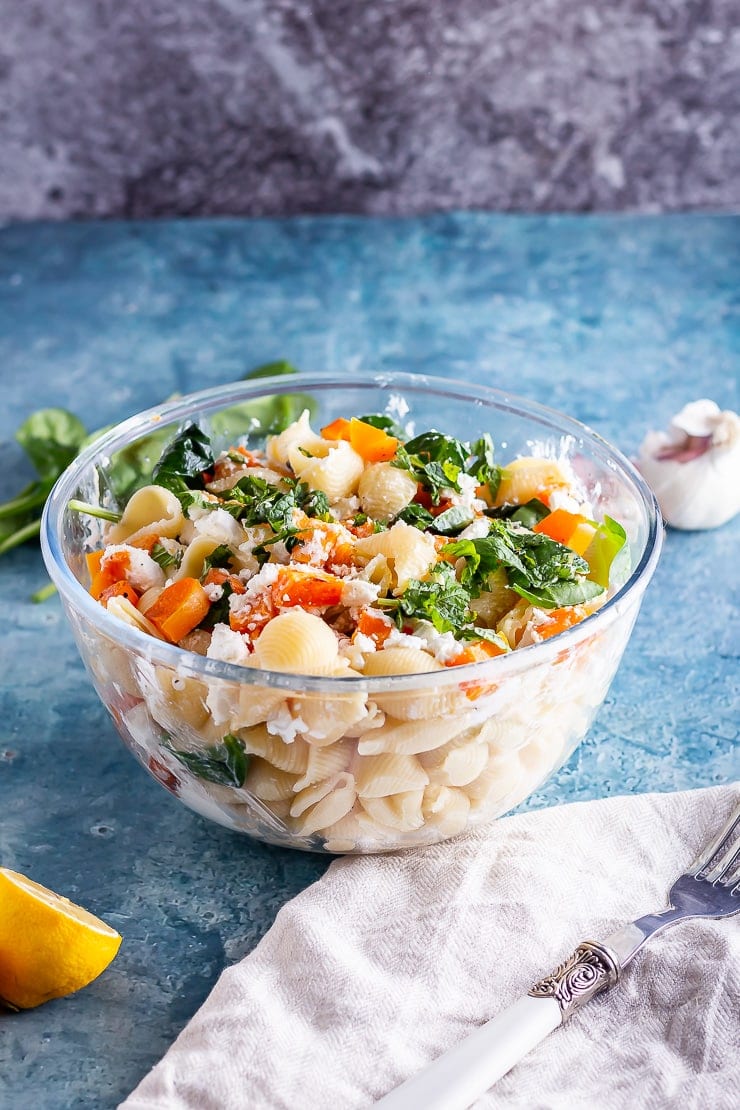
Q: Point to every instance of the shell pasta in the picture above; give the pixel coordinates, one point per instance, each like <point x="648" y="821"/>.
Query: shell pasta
<point x="355" y="553"/>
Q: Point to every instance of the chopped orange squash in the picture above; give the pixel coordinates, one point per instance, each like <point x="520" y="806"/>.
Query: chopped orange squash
<point x="371" y="443"/>
<point x="338" y="429"/>
<point x="179" y="608"/>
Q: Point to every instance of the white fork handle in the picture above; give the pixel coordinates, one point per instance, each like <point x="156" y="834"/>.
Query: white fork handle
<point x="456" y="1079"/>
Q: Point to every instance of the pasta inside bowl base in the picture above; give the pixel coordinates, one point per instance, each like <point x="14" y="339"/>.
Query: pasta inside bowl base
<point x="374" y="762"/>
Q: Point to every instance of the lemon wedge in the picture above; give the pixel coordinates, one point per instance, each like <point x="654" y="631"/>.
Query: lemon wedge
<point x="48" y="946"/>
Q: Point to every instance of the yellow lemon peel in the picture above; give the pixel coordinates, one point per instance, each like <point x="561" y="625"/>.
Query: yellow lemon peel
<point x="49" y="947"/>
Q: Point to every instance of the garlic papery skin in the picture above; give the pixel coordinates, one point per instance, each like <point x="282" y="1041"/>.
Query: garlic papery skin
<point x="694" y="467"/>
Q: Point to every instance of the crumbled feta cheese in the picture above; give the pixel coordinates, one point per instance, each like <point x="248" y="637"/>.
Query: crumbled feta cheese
<point x="220" y="525"/>
<point x="477" y="530"/>
<point x="213" y="591"/>
<point x="345" y="507"/>
<point x="228" y="646"/>
<point x="283" y="724"/>
<point x="142" y="571"/>
<point x="356" y="593"/>
<point x="401" y="640"/>
<point x="442" y="645"/>
<point x="364" y="643"/>
<point x="317" y="548"/>
<point x="261" y="583"/>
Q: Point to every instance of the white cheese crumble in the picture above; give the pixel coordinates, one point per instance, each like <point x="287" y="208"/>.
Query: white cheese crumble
<point x="142" y="571"/>
<point x="442" y="645"/>
<point x="219" y="525"/>
<point x="345" y="507"/>
<point x="283" y="724"/>
<point x="213" y="591"/>
<point x="356" y="593"/>
<point x="228" y="646"/>
<point x="477" y="530"/>
<point x="399" y="639"/>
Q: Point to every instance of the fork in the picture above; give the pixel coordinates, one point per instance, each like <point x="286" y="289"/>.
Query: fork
<point x="710" y="888"/>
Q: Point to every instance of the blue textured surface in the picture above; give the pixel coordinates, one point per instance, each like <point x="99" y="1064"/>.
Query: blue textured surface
<point x="618" y="321"/>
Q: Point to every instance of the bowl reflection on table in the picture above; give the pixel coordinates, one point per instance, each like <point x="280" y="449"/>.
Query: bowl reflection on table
<point x="466" y="744"/>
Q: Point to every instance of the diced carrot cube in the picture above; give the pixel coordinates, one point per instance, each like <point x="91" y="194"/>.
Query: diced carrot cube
<point x="371" y="443"/>
<point x="338" y="429"/>
<point x="179" y="608"/>
<point x="120" y="589"/>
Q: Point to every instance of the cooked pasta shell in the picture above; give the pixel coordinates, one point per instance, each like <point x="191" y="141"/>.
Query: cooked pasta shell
<point x="446" y="809"/>
<point x="527" y="477"/>
<point x="398" y="811"/>
<point x="297" y="642"/>
<point x="286" y="757"/>
<point x="410" y="737"/>
<point x="384" y="490"/>
<point x="195" y="555"/>
<point x="269" y="783"/>
<point x="336" y="475"/>
<point x="322" y="763"/>
<point x="344" y="834"/>
<point x="326" y="719"/>
<point x="401" y="660"/>
<point x="455" y="764"/>
<point x="279" y="446"/>
<point x="495" y="602"/>
<point x="122" y="608"/>
<point x="151" y="509"/>
<point x="330" y="808"/>
<point x="380" y="775"/>
<point x="499" y="779"/>
<point x="412" y="553"/>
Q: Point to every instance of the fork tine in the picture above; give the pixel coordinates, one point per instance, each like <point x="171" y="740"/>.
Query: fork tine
<point x="724" y="865"/>
<point x="719" y="843"/>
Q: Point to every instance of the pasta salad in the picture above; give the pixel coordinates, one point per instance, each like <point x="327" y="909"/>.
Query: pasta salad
<point x="349" y="551"/>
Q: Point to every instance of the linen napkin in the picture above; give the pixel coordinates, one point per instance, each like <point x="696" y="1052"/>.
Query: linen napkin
<point x="387" y="961"/>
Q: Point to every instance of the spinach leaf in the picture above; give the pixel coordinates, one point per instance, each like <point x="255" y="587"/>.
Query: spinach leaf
<point x="51" y="438"/>
<point x="416" y="515"/>
<point x="482" y="465"/>
<point x="221" y="556"/>
<point x="537" y="567"/>
<point x="452" y="520"/>
<point x="528" y="514"/>
<point x="226" y="763"/>
<point x="434" y="460"/>
<point x="489" y="634"/>
<point x="183" y="461"/>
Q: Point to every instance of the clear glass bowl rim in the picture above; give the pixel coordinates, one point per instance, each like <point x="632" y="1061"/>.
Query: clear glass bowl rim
<point x="218" y="397"/>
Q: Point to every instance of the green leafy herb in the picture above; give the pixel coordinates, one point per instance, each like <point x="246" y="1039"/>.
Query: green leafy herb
<point x="442" y="600"/>
<point x="221" y="556"/>
<point x="184" y="460"/>
<point x="434" y="460"/>
<point x="165" y="558"/>
<point x="538" y="568"/>
<point x="475" y="633"/>
<point x="417" y="516"/>
<point x="226" y="763"/>
<point x="528" y="514"/>
<point x="452" y="520"/>
<point x="482" y="465"/>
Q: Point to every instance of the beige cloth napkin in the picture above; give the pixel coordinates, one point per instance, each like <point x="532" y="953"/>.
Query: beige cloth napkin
<point x="387" y="961"/>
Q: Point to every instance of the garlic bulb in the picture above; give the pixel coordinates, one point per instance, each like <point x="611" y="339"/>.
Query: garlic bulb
<point x="694" y="467"/>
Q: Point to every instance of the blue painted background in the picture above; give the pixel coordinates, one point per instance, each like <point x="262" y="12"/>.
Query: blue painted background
<point x="618" y="321"/>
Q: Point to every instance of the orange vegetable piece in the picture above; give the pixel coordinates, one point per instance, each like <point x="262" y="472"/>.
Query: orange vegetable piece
<point x="145" y="542"/>
<point x="372" y="444"/>
<point x="120" y="589"/>
<point x="179" y="608"/>
<point x="93" y="560"/>
<point x="560" y="619"/>
<point x="338" y="429"/>
<point x="252" y="618"/>
<point x="572" y="529"/>
<point x="217" y="576"/>
<point x="378" y="629"/>
<point x="114" y="571"/>
<point x="308" y="590"/>
<point x="475" y="652"/>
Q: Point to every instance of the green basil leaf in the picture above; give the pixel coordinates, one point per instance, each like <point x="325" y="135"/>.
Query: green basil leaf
<point x="51" y="438"/>
<point x="226" y="763"/>
<point x="417" y="516"/>
<point x="557" y="595"/>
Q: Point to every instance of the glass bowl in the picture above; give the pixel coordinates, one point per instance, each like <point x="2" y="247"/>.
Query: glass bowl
<point x="470" y="742"/>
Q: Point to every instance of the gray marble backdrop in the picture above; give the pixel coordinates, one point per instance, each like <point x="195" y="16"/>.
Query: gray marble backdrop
<point x="184" y="107"/>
